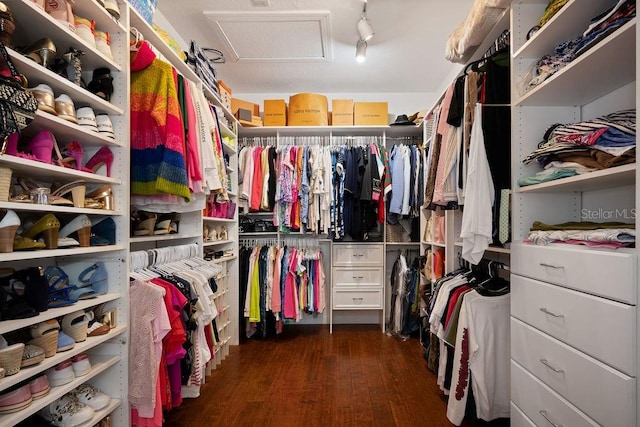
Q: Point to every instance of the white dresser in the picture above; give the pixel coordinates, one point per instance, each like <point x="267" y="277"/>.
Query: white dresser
<point x="357" y="278"/>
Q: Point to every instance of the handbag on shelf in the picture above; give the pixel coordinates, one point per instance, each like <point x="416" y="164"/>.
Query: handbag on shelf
<point x="264" y="226"/>
<point x="203" y="65"/>
<point x="18" y="106"/>
<point x="246" y="225"/>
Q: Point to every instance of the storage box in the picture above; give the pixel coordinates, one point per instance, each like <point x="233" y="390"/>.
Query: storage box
<point x="244" y="114"/>
<point x="371" y="114"/>
<point x="308" y="109"/>
<point x="275" y="112"/>
<point x="146" y="8"/>
<point x="239" y="103"/>
<point x="225" y="94"/>
<point x="342" y="112"/>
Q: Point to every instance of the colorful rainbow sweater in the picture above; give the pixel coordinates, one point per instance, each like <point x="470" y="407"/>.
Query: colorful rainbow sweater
<point x="157" y="135"/>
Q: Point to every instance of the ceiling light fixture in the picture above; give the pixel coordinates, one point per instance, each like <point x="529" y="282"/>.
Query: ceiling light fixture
<point x="361" y="50"/>
<point x="365" y="31"/>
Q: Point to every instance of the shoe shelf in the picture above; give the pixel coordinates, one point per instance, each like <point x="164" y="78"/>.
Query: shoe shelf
<point x="98" y="365"/>
<point x="32" y="20"/>
<point x="607" y="178"/>
<point x="99" y="415"/>
<point x="564" y="88"/>
<point x="217" y="243"/>
<point x="30" y="207"/>
<point x="54" y="253"/>
<point x="81" y="97"/>
<point x="48" y="172"/>
<point x="91" y="9"/>
<point x="52" y="313"/>
<point x="164" y="237"/>
<point x="66" y="131"/>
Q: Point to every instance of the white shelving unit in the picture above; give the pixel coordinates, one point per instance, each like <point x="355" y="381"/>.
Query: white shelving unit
<point x="108" y="353"/>
<point x="555" y="345"/>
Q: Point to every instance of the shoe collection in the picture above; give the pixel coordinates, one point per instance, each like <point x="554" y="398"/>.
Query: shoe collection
<point x="145" y="223"/>
<point x="53" y="232"/>
<point x="214" y="234"/>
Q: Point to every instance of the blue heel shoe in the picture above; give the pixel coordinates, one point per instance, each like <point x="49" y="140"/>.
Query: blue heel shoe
<point x="96" y="276"/>
<point x="103" y="232"/>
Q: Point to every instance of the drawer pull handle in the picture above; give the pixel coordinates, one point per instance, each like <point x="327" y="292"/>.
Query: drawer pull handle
<point x="546" y="417"/>
<point x="546" y="363"/>
<point x="558" y="267"/>
<point x="357" y="300"/>
<point x="358" y="255"/>
<point x="550" y="313"/>
<point x="358" y="277"/>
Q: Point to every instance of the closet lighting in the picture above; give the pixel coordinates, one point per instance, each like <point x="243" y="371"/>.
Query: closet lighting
<point x="365" y="31"/>
<point x="361" y="50"/>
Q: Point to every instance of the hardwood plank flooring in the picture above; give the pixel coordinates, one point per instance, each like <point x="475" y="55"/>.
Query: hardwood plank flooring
<point x="356" y="376"/>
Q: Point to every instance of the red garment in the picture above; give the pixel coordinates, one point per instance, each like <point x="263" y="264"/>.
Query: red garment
<point x="453" y="299"/>
<point x="257" y="182"/>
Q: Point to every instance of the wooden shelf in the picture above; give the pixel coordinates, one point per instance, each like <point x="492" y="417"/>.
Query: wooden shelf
<point x="66" y="131"/>
<point x="331" y="131"/>
<point x="564" y="88"/>
<point x="214" y="219"/>
<point x="163" y="237"/>
<point x="606" y="178"/>
<point x="217" y="243"/>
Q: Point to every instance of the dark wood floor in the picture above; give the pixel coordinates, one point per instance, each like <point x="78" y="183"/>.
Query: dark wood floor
<point x="356" y="376"/>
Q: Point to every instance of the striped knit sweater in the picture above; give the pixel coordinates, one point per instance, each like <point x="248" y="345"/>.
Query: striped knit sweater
<point x="157" y="136"/>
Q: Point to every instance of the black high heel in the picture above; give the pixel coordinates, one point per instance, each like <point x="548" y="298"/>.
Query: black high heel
<point x="102" y="83"/>
<point x="43" y="52"/>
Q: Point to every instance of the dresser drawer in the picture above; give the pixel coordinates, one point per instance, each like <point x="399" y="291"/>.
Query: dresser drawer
<point x="517" y="418"/>
<point x="575" y="375"/>
<point x="609" y="274"/>
<point x="361" y="299"/>
<point x="357" y="277"/>
<point x="602" y="328"/>
<point x="542" y="405"/>
<point x="361" y="255"/>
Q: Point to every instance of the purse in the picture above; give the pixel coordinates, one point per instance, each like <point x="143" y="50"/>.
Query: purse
<point x="246" y="225"/>
<point x="18" y="106"/>
<point x="203" y="66"/>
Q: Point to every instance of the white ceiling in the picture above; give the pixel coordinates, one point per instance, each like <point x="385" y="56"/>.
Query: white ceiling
<point x="299" y="50"/>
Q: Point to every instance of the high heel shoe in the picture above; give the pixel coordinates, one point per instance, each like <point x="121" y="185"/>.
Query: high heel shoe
<point x="80" y="225"/>
<point x="143" y="223"/>
<point x="102" y="83"/>
<point x="71" y="156"/>
<point x="28" y="184"/>
<point x="102" y="195"/>
<point x="41" y="146"/>
<point x="43" y="52"/>
<point x="76" y="188"/>
<point x="8" y="227"/>
<point x="104" y="156"/>
<point x="97" y="277"/>
<point x="48" y="226"/>
<point x="69" y="66"/>
<point x="7" y="25"/>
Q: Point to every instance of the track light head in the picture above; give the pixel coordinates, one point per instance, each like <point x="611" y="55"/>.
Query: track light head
<point x="361" y="50"/>
<point x="365" y="30"/>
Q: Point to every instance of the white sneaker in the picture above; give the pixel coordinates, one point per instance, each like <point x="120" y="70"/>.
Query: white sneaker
<point x="67" y="412"/>
<point x="61" y="374"/>
<point x="86" y="117"/>
<point x="105" y="126"/>
<point x="81" y="364"/>
<point x="91" y="396"/>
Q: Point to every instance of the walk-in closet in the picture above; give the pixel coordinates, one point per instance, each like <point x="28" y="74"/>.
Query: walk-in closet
<point x="336" y="212"/>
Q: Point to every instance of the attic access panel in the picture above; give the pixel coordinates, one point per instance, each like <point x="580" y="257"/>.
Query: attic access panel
<point x="273" y="36"/>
